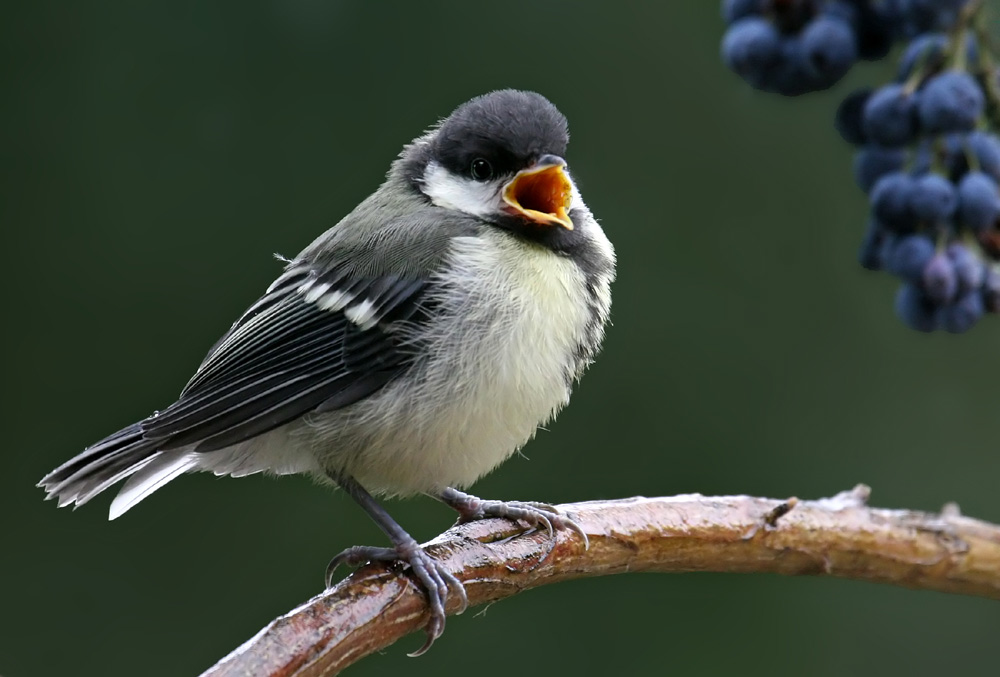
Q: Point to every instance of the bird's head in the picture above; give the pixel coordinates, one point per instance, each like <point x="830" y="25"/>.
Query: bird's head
<point x="498" y="157"/>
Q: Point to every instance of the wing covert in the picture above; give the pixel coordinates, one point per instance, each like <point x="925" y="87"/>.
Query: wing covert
<point x="313" y="341"/>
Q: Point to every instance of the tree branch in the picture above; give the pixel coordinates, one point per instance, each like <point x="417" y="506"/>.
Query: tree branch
<point x="837" y="536"/>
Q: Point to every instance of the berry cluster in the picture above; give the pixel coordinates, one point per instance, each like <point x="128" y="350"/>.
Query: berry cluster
<point x="792" y="47"/>
<point x="934" y="212"/>
<point x="926" y="157"/>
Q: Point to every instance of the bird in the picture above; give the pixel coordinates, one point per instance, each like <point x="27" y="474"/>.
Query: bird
<point x="409" y="349"/>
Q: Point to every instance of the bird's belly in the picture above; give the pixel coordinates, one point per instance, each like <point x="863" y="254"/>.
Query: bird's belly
<point x="496" y="364"/>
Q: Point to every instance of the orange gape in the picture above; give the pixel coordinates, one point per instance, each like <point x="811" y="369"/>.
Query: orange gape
<point x="542" y="195"/>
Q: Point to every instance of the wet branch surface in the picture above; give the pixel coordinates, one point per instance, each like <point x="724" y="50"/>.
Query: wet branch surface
<point x="838" y="536"/>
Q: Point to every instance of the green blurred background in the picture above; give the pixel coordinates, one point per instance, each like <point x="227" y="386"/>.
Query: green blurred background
<point x="155" y="154"/>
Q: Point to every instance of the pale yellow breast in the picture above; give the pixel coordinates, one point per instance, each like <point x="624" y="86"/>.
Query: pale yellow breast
<point x="496" y="364"/>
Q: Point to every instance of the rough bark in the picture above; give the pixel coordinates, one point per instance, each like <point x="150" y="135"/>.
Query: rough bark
<point x="838" y="536"/>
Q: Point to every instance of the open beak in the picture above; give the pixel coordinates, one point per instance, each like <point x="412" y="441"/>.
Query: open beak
<point x="541" y="193"/>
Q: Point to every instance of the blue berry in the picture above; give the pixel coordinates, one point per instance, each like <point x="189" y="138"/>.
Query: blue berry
<point x="960" y="316"/>
<point x="844" y="10"/>
<point x="849" y="120"/>
<point x="925" y="52"/>
<point x="986" y="149"/>
<point x="738" y="9"/>
<point x="950" y="102"/>
<point x="910" y="256"/>
<point x="871" y="163"/>
<point x="915" y="309"/>
<point x="921" y="16"/>
<point x="751" y="48"/>
<point x="892" y="198"/>
<point x="933" y="198"/>
<point x="982" y="148"/>
<point x="890" y="116"/>
<point x="791" y="75"/>
<point x="969" y="269"/>
<point x="939" y="279"/>
<point x="873" y="30"/>
<point x="978" y="201"/>
<point x="829" y="48"/>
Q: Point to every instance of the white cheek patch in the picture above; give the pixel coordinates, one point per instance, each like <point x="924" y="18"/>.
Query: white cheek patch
<point x="476" y="198"/>
<point x="451" y="191"/>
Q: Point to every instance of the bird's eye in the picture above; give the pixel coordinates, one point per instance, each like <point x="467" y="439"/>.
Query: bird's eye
<point x="481" y="169"/>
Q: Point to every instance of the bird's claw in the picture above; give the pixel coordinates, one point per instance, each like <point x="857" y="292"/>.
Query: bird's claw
<point x="533" y="514"/>
<point x="357" y="555"/>
<point x="432" y="576"/>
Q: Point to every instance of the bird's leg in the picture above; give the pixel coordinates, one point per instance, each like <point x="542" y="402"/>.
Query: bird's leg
<point x="432" y="576"/>
<point x="535" y="515"/>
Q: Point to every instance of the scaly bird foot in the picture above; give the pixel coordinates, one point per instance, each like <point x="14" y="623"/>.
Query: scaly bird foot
<point x="433" y="577"/>
<point x="535" y="515"/>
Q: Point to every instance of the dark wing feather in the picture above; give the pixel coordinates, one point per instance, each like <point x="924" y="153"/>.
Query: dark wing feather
<point x="289" y="355"/>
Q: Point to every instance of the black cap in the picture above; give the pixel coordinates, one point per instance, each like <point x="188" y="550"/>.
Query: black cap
<point x="509" y="128"/>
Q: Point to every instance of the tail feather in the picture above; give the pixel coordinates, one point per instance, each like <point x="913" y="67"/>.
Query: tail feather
<point x="100" y="479"/>
<point x="93" y="458"/>
<point x="161" y="468"/>
<point x="103" y="464"/>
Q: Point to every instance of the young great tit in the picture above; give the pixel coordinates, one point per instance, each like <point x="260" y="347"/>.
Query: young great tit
<point x="409" y="349"/>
